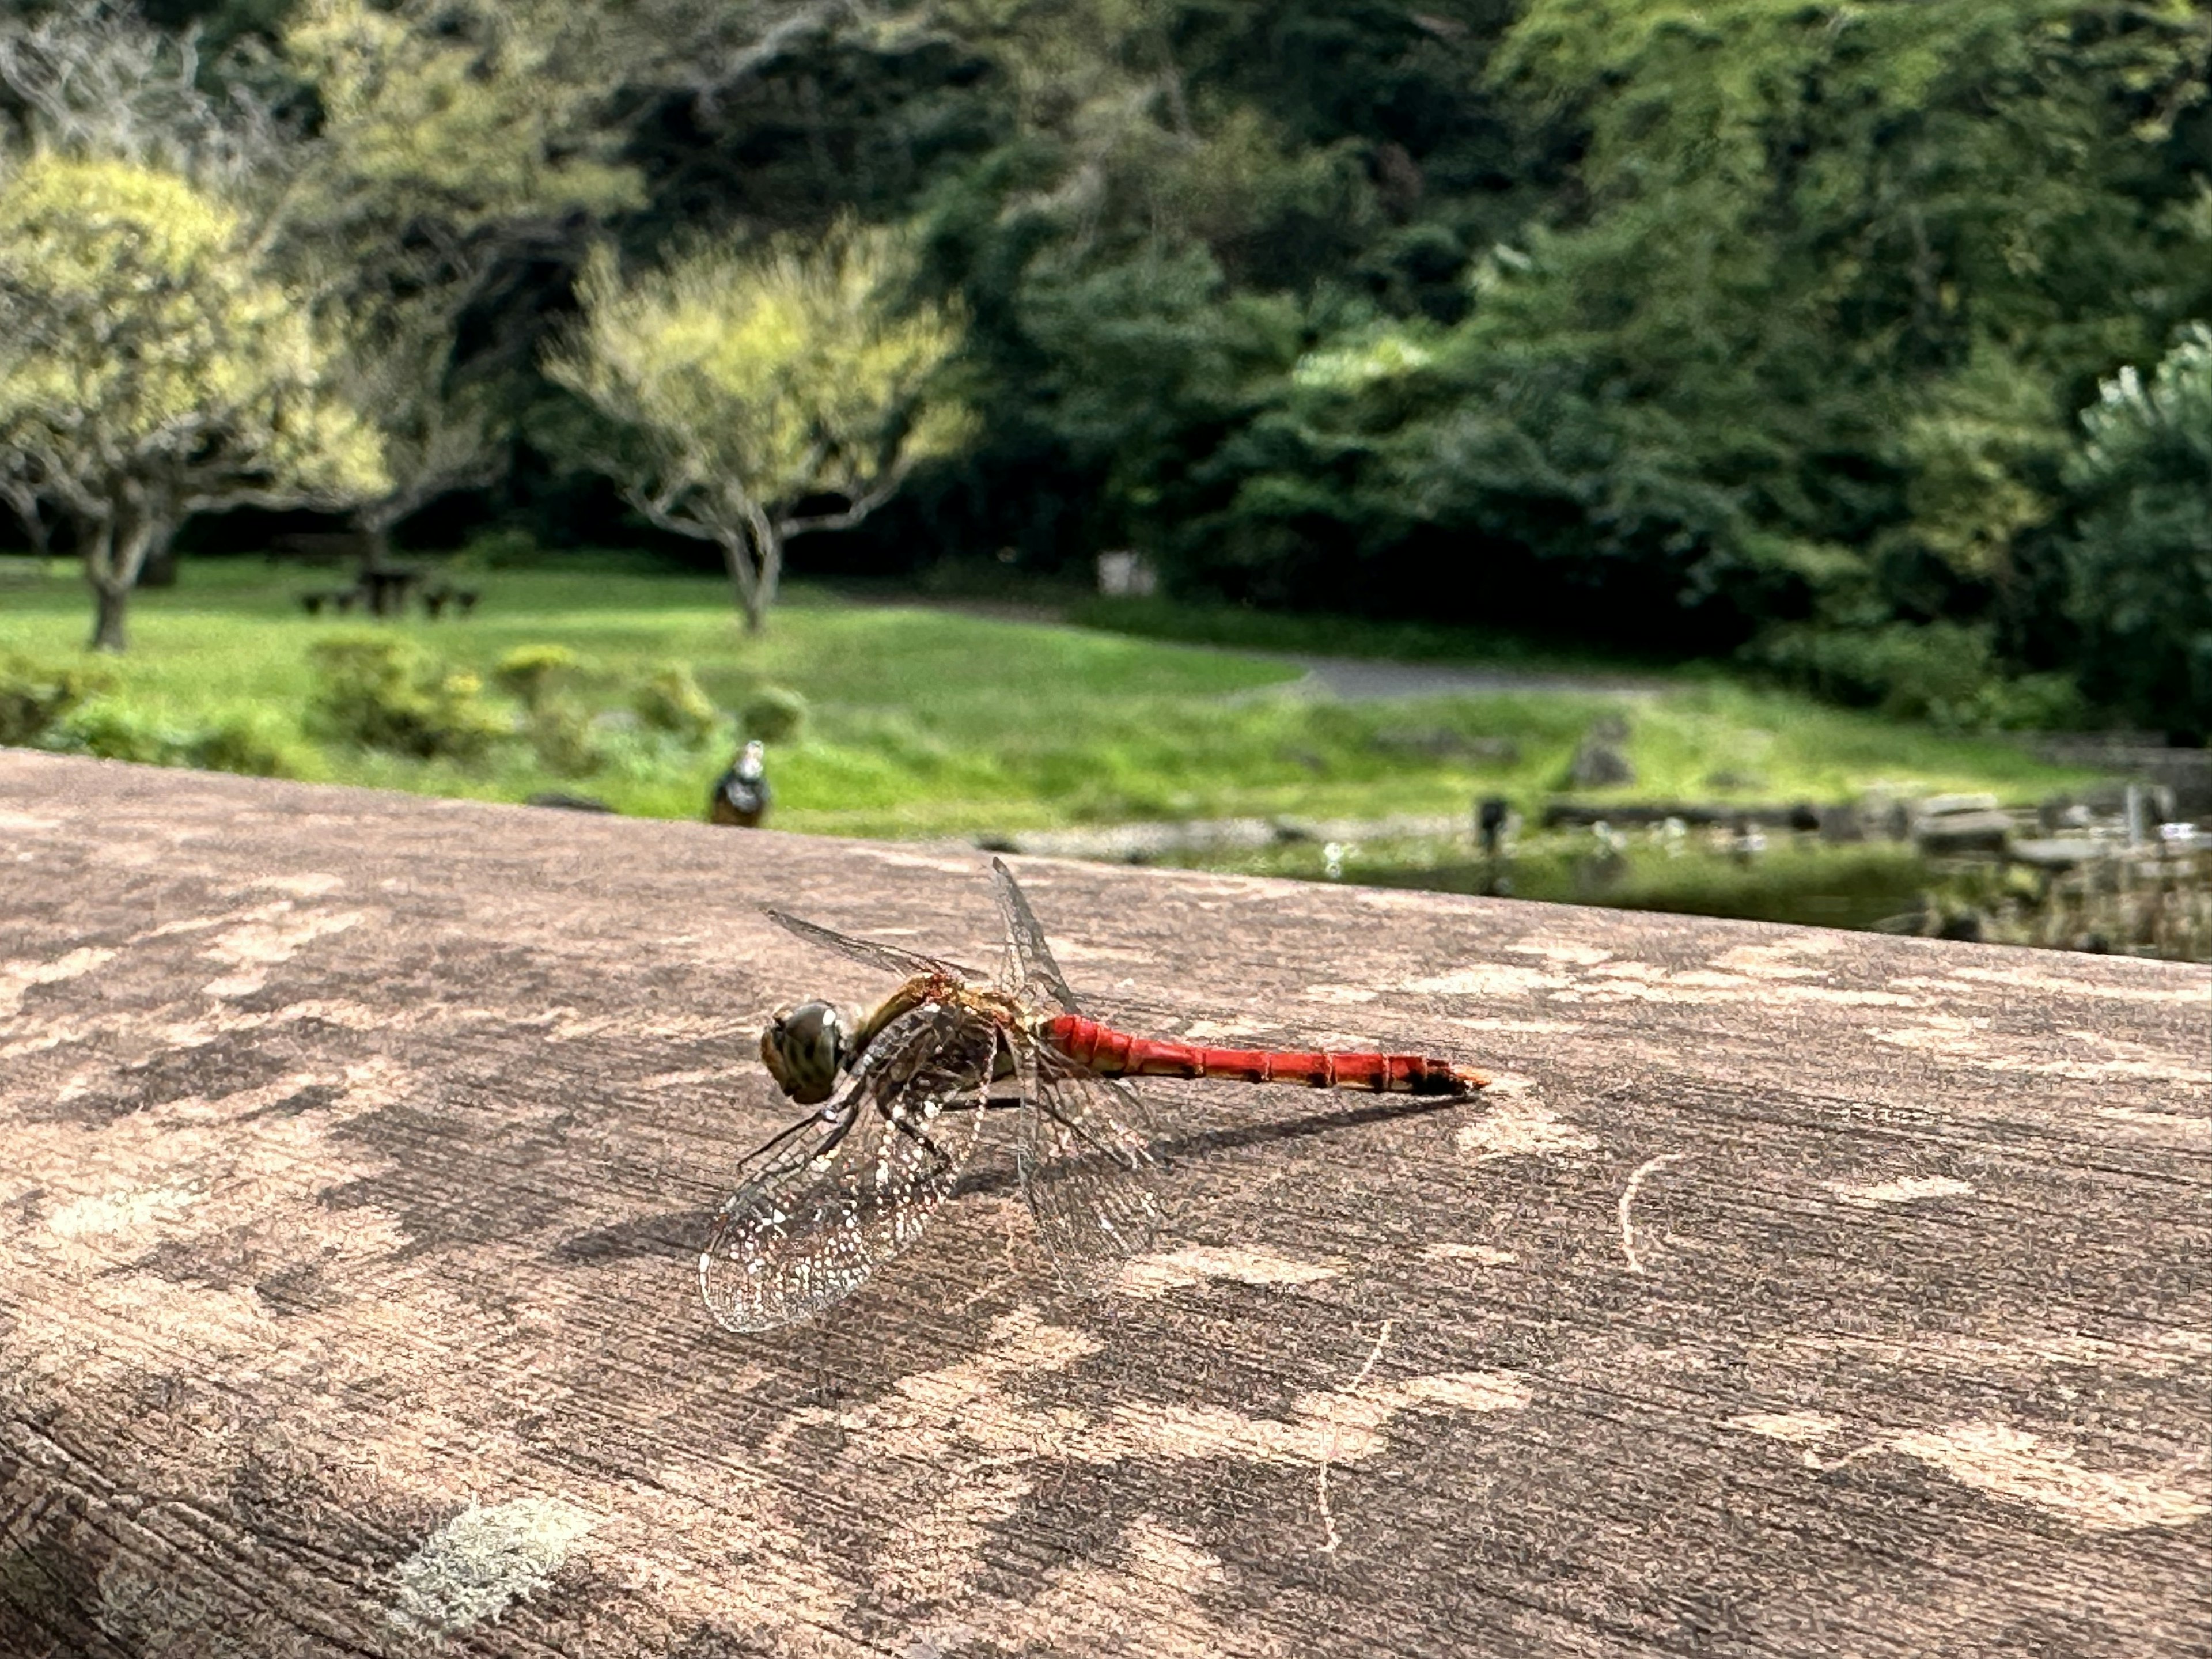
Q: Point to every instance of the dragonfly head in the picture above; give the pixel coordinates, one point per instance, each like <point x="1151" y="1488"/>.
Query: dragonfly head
<point x="805" y="1046"/>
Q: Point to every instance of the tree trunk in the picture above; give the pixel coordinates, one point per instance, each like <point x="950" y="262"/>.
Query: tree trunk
<point x="762" y="564"/>
<point x="109" y="604"/>
<point x="113" y="559"/>
<point x="744" y="579"/>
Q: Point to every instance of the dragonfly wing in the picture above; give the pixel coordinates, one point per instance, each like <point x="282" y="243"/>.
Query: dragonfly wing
<point x="1085" y="1152"/>
<point x="1031" y="969"/>
<point x="824" y="1205"/>
<point x="871" y="951"/>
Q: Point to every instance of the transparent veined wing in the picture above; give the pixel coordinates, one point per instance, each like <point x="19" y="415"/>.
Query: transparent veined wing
<point x="1085" y="1154"/>
<point x="1030" y="970"/>
<point x="874" y="952"/>
<point x="824" y="1205"/>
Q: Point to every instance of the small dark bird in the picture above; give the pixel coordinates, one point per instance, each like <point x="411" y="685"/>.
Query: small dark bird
<point x="741" y="796"/>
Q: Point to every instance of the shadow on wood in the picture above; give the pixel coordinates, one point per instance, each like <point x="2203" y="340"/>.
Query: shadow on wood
<point x="1792" y="1291"/>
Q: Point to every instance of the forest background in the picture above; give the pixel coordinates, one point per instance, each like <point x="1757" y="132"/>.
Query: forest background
<point x="1859" y="342"/>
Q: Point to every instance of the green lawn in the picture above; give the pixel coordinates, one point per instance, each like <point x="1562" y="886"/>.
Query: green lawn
<point x="930" y="721"/>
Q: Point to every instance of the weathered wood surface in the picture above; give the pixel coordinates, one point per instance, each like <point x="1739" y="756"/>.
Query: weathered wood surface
<point x="1795" y="1293"/>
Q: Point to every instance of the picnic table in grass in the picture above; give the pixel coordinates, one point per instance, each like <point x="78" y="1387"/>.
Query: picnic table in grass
<point x="1787" y="1293"/>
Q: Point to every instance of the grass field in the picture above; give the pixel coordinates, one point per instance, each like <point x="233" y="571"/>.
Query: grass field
<point x="927" y="721"/>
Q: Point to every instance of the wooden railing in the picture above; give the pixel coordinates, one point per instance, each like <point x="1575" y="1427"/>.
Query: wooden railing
<point x="1790" y="1292"/>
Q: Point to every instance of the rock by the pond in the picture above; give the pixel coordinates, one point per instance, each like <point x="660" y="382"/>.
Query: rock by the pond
<point x="1945" y="807"/>
<point x="2060" y="852"/>
<point x="1599" y="763"/>
<point x="1966" y="829"/>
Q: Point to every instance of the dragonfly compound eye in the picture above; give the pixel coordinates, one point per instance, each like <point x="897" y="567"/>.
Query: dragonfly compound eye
<point x="804" y="1050"/>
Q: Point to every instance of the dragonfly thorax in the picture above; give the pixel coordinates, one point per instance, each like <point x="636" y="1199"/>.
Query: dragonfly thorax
<point x="805" y="1049"/>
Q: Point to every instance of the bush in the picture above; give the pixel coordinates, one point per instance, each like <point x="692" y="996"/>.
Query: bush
<point x="565" y="743"/>
<point x="385" y="694"/>
<point x="33" y="698"/>
<point x="114" y="730"/>
<point x="774" y="714"/>
<point x="2139" y="570"/>
<point x="1943" y="672"/>
<point x="249" y="744"/>
<point x="673" y="701"/>
<point x="532" y="672"/>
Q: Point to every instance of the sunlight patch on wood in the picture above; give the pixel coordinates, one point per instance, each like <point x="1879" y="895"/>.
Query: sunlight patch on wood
<point x="128" y="1211"/>
<point x="1485" y="1255"/>
<point x="254" y="947"/>
<point x="2009" y="1463"/>
<point x="1566" y="952"/>
<point x="1340" y="993"/>
<point x="1523" y="1127"/>
<point x="1158" y="1600"/>
<point x="312" y="884"/>
<point x="1797" y="1428"/>
<point x="1154" y="1276"/>
<point x="1773" y="961"/>
<point x="1906" y="1189"/>
<point x="2183" y="987"/>
<point x="1496" y="979"/>
<point x="18" y="977"/>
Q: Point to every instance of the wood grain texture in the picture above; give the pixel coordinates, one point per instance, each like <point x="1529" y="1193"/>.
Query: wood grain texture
<point x="1793" y="1293"/>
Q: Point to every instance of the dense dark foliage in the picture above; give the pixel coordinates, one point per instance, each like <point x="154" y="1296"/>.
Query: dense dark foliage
<point x="1756" y="324"/>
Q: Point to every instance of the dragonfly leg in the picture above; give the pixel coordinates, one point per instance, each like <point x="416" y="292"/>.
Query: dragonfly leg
<point x="920" y="1137"/>
<point x="828" y="1145"/>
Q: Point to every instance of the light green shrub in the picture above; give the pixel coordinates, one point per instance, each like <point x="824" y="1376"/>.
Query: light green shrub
<point x="773" y="714"/>
<point x="534" y="673"/>
<point x="384" y="693"/>
<point x="672" y="700"/>
<point x="565" y="741"/>
<point x="34" y="696"/>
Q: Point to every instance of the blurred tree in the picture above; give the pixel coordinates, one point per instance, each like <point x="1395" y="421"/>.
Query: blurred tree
<point x="745" y="385"/>
<point x="149" y="371"/>
<point x="450" y="142"/>
<point x="1803" y="342"/>
<point x="2140" y="562"/>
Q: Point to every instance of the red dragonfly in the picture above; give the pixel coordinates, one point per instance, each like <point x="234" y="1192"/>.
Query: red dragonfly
<point x="902" y="1094"/>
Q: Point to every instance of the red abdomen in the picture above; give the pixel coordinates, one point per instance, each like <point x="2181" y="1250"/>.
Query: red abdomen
<point x="1116" y="1054"/>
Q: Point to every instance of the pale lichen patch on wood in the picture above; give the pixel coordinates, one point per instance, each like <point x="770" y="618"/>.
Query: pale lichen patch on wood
<point x="473" y="1567"/>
